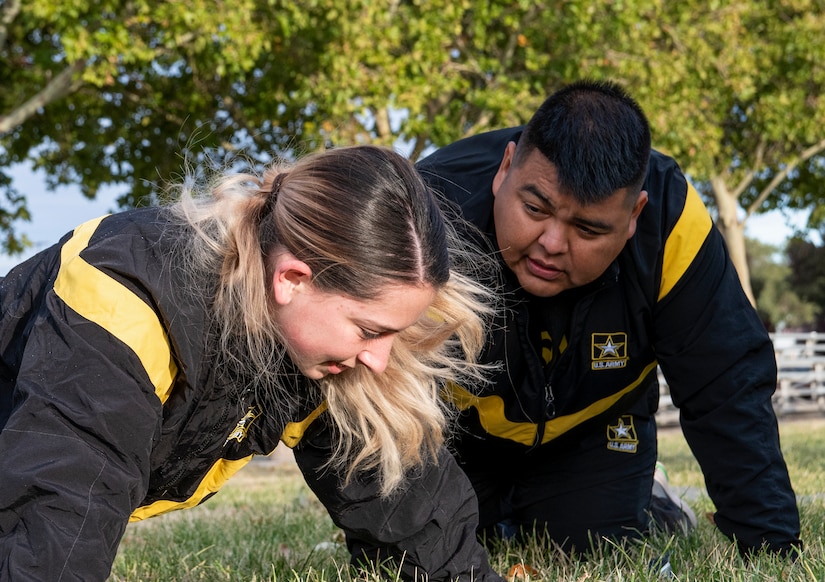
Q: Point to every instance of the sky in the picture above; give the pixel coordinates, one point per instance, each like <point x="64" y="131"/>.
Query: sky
<point x="53" y="214"/>
<point x="56" y="213"/>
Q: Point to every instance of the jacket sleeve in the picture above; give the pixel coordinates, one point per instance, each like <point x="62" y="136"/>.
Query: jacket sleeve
<point x="719" y="363"/>
<point x="75" y="450"/>
<point x="427" y="531"/>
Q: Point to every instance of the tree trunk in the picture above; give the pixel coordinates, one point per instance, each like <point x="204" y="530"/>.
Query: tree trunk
<point x="733" y="230"/>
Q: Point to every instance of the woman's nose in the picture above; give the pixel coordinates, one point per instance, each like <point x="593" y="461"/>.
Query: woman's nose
<point x="377" y="355"/>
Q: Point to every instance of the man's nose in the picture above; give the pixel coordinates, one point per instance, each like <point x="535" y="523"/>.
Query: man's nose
<point x="554" y="238"/>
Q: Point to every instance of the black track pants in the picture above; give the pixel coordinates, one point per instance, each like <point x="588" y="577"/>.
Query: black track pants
<point x="596" y="485"/>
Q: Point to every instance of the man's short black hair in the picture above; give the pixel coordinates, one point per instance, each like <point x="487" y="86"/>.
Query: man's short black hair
<point x="596" y="136"/>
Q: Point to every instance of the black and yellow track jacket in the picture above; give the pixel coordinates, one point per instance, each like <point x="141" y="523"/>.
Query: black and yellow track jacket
<point x="672" y="298"/>
<point x="112" y="408"/>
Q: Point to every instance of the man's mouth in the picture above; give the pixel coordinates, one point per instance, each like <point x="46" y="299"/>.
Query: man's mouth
<point x="546" y="271"/>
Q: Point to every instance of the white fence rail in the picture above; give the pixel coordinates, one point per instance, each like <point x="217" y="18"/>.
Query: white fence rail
<point x="800" y="388"/>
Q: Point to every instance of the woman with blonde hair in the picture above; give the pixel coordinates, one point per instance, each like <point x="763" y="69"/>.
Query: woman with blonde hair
<point x="149" y="354"/>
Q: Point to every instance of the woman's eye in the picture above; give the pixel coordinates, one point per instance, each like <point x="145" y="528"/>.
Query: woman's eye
<point x="369" y="335"/>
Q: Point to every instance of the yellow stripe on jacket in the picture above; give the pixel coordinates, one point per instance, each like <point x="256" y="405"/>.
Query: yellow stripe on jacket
<point x="493" y="420"/>
<point x="106" y="302"/>
<point x="684" y="241"/>
<point x="217" y="476"/>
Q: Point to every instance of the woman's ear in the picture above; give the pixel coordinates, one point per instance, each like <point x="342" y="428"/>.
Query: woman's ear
<point x="291" y="276"/>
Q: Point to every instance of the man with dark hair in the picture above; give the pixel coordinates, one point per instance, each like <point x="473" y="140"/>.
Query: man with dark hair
<point x="613" y="267"/>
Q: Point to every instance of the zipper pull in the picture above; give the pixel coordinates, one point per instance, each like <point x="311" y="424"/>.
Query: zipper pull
<point x="549" y="401"/>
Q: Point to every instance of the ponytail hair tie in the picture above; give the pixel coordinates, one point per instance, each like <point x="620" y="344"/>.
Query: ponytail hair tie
<point x="276" y="183"/>
<point x="273" y="194"/>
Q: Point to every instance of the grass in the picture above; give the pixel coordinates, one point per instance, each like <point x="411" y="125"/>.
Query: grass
<point x="266" y="526"/>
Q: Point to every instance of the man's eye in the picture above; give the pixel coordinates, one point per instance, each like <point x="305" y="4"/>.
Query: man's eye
<point x="587" y="231"/>
<point x="531" y="208"/>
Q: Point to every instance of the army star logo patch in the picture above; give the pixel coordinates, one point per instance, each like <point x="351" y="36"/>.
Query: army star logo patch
<point x="609" y="351"/>
<point x="622" y="435"/>
<point x="240" y="430"/>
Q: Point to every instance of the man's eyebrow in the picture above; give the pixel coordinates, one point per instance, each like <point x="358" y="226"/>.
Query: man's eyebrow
<point x="533" y="189"/>
<point x="588" y="222"/>
<point x="594" y="224"/>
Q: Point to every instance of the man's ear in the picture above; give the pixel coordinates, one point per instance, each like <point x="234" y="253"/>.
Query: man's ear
<point x="504" y="166"/>
<point x="637" y="210"/>
<point x="291" y="276"/>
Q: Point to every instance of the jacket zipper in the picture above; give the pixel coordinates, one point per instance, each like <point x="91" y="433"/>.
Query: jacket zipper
<point x="555" y="362"/>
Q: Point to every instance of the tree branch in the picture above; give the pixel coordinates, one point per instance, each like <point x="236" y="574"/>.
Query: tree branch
<point x="419" y="145"/>
<point x="382" y="122"/>
<point x="748" y="178"/>
<point x="781" y="175"/>
<point x="479" y="124"/>
<point x="58" y="87"/>
<point x="10" y="11"/>
<point x="237" y="115"/>
<point x="674" y="37"/>
<point x="512" y="41"/>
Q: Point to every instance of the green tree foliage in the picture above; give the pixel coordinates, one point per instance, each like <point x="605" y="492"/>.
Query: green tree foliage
<point x="121" y="92"/>
<point x="149" y="78"/>
<point x="778" y="304"/>
<point x="733" y="91"/>
<point x="111" y="92"/>
<point x="105" y="91"/>
<point x="807" y="278"/>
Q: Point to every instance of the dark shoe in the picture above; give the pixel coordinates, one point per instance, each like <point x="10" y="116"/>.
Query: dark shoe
<point x="667" y="509"/>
